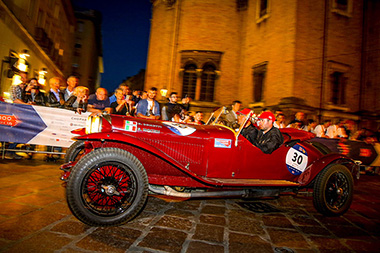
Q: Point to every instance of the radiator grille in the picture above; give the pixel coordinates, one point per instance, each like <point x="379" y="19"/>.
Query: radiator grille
<point x="183" y="153"/>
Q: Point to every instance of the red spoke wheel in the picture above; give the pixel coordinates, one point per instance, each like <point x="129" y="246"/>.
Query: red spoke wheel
<point x="107" y="187"/>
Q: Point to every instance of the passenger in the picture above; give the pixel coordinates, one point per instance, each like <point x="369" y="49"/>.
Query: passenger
<point x="17" y="90"/>
<point x="311" y="124"/>
<point x="125" y="88"/>
<point x="120" y="106"/>
<point x="232" y="117"/>
<point x="72" y="83"/>
<point x="173" y="109"/>
<point x="32" y="95"/>
<point x="321" y="129"/>
<point x="190" y="120"/>
<point x="144" y="95"/>
<point x="267" y="138"/>
<point x="78" y="100"/>
<point x="337" y="130"/>
<point x="136" y="96"/>
<point x="299" y="117"/>
<point x="296" y="124"/>
<point x="198" y="118"/>
<point x="99" y="101"/>
<point x="149" y="108"/>
<point x="55" y="97"/>
<point x="280" y="121"/>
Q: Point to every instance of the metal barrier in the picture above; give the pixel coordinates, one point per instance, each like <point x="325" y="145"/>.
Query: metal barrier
<point x="4" y="150"/>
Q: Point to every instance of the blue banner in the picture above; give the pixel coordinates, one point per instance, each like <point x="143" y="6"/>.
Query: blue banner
<point x="38" y="124"/>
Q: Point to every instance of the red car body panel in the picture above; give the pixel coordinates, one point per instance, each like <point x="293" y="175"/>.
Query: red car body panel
<point x="209" y="156"/>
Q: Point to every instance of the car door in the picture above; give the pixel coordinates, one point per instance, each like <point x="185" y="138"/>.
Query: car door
<point x="253" y="163"/>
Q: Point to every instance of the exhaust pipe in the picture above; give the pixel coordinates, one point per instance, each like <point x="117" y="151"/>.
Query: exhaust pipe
<point x="168" y="191"/>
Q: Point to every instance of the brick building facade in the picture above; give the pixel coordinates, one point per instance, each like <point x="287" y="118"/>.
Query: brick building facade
<point x="54" y="39"/>
<point x="291" y="55"/>
<point x="42" y="32"/>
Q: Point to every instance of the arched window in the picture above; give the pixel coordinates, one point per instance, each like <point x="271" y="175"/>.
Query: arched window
<point x="208" y="83"/>
<point x="189" y="81"/>
<point x="199" y="70"/>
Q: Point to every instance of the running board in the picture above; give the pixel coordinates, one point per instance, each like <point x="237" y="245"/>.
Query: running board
<point x="250" y="182"/>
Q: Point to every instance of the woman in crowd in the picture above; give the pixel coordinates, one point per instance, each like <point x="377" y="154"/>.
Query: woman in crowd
<point x="78" y="100"/>
<point x="32" y="94"/>
<point x="121" y="105"/>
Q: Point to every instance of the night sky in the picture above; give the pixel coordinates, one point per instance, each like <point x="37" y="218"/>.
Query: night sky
<point x="125" y="31"/>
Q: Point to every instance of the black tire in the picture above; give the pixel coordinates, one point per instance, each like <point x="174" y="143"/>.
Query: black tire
<point x="107" y="187"/>
<point x="74" y="152"/>
<point x="333" y="190"/>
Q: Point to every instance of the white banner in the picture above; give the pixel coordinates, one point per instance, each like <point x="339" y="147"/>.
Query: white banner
<point x="39" y="125"/>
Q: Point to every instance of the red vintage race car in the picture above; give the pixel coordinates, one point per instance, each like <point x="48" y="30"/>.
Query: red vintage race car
<point x="118" y="160"/>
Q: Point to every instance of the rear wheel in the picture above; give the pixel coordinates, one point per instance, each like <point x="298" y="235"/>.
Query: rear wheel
<point x="74" y="152"/>
<point x="333" y="190"/>
<point x="108" y="187"/>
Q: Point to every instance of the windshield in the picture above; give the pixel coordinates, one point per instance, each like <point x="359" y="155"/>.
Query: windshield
<point x="218" y="117"/>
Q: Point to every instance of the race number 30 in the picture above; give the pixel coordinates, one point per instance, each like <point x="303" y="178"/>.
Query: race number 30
<point x="296" y="160"/>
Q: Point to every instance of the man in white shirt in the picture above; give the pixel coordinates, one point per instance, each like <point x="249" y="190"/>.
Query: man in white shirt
<point x="321" y="130"/>
<point x="336" y="130"/>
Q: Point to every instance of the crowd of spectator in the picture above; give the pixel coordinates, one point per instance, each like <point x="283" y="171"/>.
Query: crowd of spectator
<point x="143" y="104"/>
<point x="336" y="129"/>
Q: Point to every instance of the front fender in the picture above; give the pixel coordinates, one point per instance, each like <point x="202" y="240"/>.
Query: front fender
<point x="317" y="166"/>
<point x="97" y="140"/>
<point x="118" y="137"/>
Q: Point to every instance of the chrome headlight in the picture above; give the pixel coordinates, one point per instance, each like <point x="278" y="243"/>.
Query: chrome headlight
<point x="97" y="124"/>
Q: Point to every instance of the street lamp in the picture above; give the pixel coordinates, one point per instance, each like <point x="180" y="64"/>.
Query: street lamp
<point x="164" y="92"/>
<point x="22" y="66"/>
<point x="42" y="76"/>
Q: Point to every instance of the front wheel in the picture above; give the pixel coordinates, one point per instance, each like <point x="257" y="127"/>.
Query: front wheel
<point x="333" y="190"/>
<point x="75" y="151"/>
<point x="108" y="187"/>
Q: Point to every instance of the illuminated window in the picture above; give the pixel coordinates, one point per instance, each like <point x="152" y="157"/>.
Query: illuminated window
<point x="208" y="83"/>
<point x="189" y="81"/>
<point x="259" y="73"/>
<point x="338" y="87"/>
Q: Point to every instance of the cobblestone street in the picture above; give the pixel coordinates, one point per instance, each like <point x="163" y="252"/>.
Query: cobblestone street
<point x="34" y="217"/>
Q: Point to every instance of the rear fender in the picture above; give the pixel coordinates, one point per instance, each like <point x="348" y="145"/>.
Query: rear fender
<point x="317" y="166"/>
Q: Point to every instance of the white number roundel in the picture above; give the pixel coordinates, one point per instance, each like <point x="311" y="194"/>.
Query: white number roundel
<point x="296" y="160"/>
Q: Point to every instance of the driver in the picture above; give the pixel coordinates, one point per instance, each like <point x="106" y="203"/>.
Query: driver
<point x="267" y="138"/>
